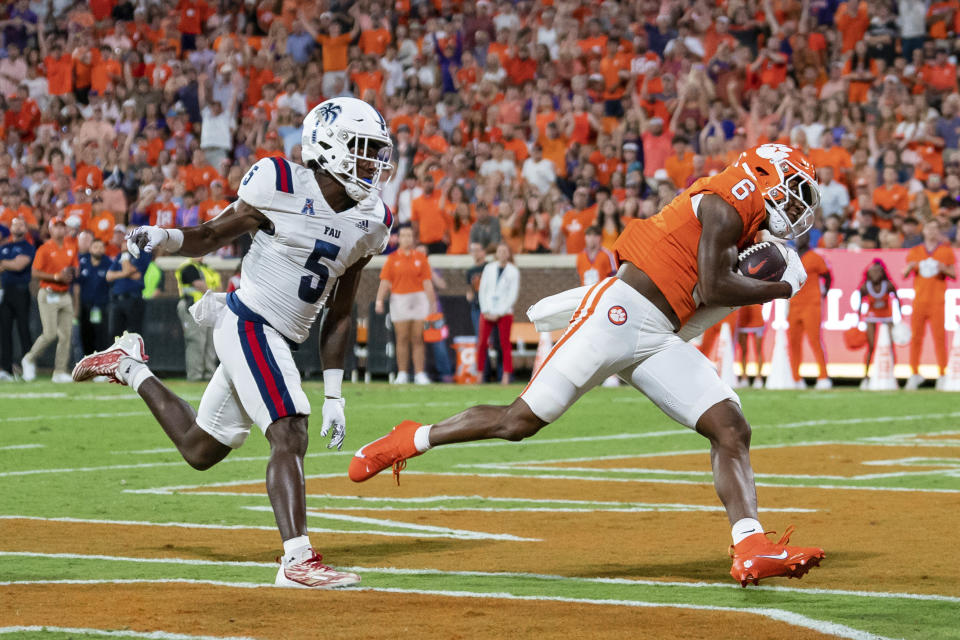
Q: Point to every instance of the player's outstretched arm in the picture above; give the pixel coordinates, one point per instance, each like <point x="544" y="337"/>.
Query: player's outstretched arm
<point x="718" y="284"/>
<point x="234" y="221"/>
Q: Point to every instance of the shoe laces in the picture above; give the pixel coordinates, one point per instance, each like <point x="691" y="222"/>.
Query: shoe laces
<point x="398" y="466"/>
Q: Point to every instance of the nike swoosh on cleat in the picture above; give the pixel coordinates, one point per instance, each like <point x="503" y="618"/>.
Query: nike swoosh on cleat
<point x="781" y="556"/>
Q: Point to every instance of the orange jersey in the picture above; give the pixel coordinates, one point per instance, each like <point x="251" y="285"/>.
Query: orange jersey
<point x="406" y="271"/>
<point x="930" y="290"/>
<point x="665" y="246"/>
<point x="604" y="264"/>
<point x="809" y="294"/>
<point x="53" y="258"/>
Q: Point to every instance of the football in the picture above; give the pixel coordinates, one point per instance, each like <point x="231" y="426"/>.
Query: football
<point x="762" y="261"/>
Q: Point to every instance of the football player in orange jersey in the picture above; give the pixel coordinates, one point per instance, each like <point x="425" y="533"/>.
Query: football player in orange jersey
<point x="677" y="277"/>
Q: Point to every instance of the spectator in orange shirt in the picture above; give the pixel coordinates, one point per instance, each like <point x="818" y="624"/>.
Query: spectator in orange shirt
<point x="460" y="229"/>
<point x="55" y="266"/>
<point x="891" y="198"/>
<point x="852" y="20"/>
<point x="406" y="278"/>
<point x="82" y="209"/>
<point x="577" y="220"/>
<point x="931" y="263"/>
<point x="431" y="224"/>
<point x="595" y="262"/>
<point x="57" y="62"/>
<point x="198" y="172"/>
<point x="334" y="45"/>
<point x="805" y="314"/>
<point x="679" y="166"/>
<point x="210" y="207"/>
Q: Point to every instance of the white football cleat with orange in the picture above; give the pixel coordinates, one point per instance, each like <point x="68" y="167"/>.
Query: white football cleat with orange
<point x="313" y="574"/>
<point x="106" y="362"/>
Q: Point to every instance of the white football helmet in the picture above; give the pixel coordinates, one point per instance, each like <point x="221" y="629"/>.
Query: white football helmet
<point x="340" y="133"/>
<point x="788" y="184"/>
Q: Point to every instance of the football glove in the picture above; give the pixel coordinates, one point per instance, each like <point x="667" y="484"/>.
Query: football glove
<point x="147" y="238"/>
<point x="795" y="274"/>
<point x="332" y="414"/>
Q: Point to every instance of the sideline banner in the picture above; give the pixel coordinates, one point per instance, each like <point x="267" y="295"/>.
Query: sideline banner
<point x="839" y="314"/>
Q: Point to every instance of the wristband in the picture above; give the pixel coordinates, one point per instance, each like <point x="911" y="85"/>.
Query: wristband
<point x="174" y="240"/>
<point x="332" y="382"/>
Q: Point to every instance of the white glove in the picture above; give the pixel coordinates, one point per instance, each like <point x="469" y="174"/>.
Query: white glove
<point x="795" y="274"/>
<point x="332" y="414"/>
<point x="148" y="238"/>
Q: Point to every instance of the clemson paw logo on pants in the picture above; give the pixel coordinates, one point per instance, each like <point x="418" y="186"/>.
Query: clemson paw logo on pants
<point x="617" y="315"/>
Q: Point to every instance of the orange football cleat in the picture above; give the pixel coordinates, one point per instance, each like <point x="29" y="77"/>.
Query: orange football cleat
<point x="756" y="557"/>
<point x="392" y="449"/>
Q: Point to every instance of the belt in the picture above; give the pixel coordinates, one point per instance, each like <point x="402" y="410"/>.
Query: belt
<point x="242" y="311"/>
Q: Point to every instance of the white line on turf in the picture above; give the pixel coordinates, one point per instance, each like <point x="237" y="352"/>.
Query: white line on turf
<point x="419" y="530"/>
<point x="140" y="523"/>
<point x="579" y="506"/>
<point x="505" y="574"/>
<point x="14" y="447"/>
<point x="789" y="617"/>
<point x="77" y="416"/>
<point x="151" y="635"/>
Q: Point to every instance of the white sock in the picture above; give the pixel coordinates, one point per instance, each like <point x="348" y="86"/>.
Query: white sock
<point x="133" y="372"/>
<point x="421" y="438"/>
<point x="744" y="528"/>
<point x="296" y="550"/>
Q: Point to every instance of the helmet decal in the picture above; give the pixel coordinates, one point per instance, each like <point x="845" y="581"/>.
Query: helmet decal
<point x="329" y="112"/>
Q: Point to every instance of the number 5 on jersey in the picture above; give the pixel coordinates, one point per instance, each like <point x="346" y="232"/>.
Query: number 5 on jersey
<point x="308" y="291"/>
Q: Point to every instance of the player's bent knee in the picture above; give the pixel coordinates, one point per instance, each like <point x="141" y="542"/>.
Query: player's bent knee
<point x="725" y="425"/>
<point x="289" y="434"/>
<point x="519" y="422"/>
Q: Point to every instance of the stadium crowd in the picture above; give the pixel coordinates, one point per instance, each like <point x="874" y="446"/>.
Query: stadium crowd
<point x="528" y="120"/>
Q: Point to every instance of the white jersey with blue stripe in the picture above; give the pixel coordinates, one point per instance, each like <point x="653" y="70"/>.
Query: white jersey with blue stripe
<point x="288" y="274"/>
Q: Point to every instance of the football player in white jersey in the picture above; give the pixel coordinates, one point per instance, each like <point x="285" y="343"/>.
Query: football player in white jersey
<point x="314" y="228"/>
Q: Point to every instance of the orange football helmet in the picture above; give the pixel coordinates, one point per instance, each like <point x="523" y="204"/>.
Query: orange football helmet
<point x="788" y="183"/>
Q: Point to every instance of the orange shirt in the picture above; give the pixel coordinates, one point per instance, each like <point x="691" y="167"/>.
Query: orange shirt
<point x="80" y="210"/>
<point x="433" y="220"/>
<point x="406" y="271"/>
<point x="7" y="215"/>
<point x="103" y="72"/>
<point x="210" y="209"/>
<point x="101" y="226"/>
<point x="555" y="150"/>
<point x="575" y="223"/>
<point x="835" y="157"/>
<point x="809" y="295"/>
<point x="335" y="51"/>
<point x="519" y="149"/>
<point x="938" y="30"/>
<point x="930" y="291"/>
<point x="163" y="214"/>
<point x="679" y="169"/>
<point x="59" y="74"/>
<point x="665" y="246"/>
<point x="54" y="258"/>
<point x="895" y="197"/>
<point x="852" y="27"/>
<point x="750" y="317"/>
<point x="374" y="41"/>
<point x="604" y="264"/>
<point x="459" y="239"/>
<point x="367" y="80"/>
<point x="193" y="176"/>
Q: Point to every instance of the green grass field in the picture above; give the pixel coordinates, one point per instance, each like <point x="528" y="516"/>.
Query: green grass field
<point x="93" y="454"/>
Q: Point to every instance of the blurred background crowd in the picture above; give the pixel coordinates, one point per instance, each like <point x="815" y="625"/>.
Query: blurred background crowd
<point x="528" y="121"/>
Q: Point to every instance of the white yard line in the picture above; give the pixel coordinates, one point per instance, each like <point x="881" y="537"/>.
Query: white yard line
<point x="151" y="635"/>
<point x="780" y="615"/>
<point x="141" y="523"/>
<point x="77" y="416"/>
<point x="15" y="447"/>
<point x="505" y="574"/>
